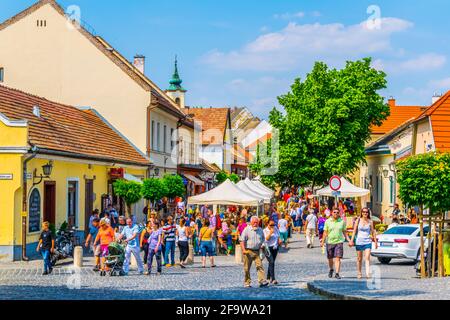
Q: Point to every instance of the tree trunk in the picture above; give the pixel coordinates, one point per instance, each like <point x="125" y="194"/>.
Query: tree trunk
<point x="433" y="262"/>
<point x="430" y="253"/>
<point x="129" y="210"/>
<point x="441" y="246"/>
<point x="422" y="253"/>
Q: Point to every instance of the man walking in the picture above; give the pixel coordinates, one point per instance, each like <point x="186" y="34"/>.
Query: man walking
<point x="130" y="236"/>
<point x="334" y="236"/>
<point x="311" y="228"/>
<point x="252" y="238"/>
<point x="169" y="230"/>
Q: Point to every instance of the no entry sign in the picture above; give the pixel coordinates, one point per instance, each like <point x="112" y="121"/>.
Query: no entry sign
<point x="335" y="183"/>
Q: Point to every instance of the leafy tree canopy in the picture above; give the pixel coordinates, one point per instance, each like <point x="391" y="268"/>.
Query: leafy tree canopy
<point x="175" y="185"/>
<point x="154" y="189"/>
<point x="327" y="122"/>
<point x="425" y="180"/>
<point x="129" y="191"/>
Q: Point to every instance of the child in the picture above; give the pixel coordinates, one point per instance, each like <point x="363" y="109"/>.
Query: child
<point x="93" y="231"/>
<point x="321" y="224"/>
<point x="46" y="246"/>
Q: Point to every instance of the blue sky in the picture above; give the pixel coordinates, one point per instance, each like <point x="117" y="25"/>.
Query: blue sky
<point x="247" y="52"/>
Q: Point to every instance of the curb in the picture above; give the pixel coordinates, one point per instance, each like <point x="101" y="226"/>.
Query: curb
<point x="332" y="295"/>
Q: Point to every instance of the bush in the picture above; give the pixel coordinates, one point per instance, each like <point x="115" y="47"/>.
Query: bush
<point x="129" y="191"/>
<point x="175" y="186"/>
<point x="154" y="189"/>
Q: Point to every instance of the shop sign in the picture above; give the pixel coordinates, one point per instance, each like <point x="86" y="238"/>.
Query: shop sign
<point x="6" y="176"/>
<point x="116" y="173"/>
<point x="34" y="215"/>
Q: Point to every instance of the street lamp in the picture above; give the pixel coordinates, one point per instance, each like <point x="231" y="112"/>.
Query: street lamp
<point x="385" y="172"/>
<point x="46" y="169"/>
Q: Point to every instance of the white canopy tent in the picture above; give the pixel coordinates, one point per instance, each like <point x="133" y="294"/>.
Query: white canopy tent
<point x="347" y="190"/>
<point x="261" y="186"/>
<point x="243" y="186"/>
<point x="226" y="193"/>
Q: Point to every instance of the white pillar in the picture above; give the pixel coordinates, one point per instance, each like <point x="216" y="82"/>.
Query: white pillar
<point x="238" y="257"/>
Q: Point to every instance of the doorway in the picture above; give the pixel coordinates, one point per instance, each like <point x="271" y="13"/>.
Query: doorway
<point x="88" y="204"/>
<point x="50" y="202"/>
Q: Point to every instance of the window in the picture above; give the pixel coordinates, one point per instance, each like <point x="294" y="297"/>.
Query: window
<point x="152" y="135"/>
<point x="2" y="74"/>
<point x="158" y="136"/>
<point x="172" y="139"/>
<point x="391" y="187"/>
<point x="72" y="203"/>
<point x="165" y="139"/>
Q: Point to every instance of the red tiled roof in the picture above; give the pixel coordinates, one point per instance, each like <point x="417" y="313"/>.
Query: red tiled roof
<point x="214" y="122"/>
<point x="439" y="113"/>
<point x="399" y="115"/>
<point x="68" y="129"/>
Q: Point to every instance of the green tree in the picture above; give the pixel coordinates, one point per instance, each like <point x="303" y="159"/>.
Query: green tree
<point x="425" y="182"/>
<point x="154" y="189"/>
<point x="234" y="177"/>
<point x="261" y="161"/>
<point x="129" y="191"/>
<point x="175" y="186"/>
<point x="327" y="122"/>
<point x="221" y="177"/>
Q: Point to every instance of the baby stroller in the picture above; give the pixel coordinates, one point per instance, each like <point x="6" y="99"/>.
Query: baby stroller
<point x="114" y="260"/>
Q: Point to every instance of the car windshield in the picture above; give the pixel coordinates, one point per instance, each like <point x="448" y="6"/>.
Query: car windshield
<point x="401" y="230"/>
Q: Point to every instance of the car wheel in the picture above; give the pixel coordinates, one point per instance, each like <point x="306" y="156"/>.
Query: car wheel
<point x="384" y="260"/>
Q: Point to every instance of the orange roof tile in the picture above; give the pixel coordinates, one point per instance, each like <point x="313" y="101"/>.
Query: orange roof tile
<point x="68" y="129"/>
<point x="399" y="115"/>
<point x="439" y="113"/>
<point x="214" y="122"/>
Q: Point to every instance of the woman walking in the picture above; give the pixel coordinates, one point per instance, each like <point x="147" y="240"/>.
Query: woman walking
<point x="155" y="247"/>
<point x="272" y="237"/>
<point x="206" y="244"/>
<point x="144" y="239"/>
<point x="183" y="233"/>
<point x="364" y="232"/>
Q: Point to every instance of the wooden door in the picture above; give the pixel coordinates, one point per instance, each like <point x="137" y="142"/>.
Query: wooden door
<point x="50" y="202"/>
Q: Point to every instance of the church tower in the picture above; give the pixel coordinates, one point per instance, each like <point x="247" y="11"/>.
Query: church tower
<point x="175" y="90"/>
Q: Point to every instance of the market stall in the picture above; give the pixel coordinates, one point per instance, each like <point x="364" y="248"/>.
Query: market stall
<point x="257" y="193"/>
<point x="347" y="190"/>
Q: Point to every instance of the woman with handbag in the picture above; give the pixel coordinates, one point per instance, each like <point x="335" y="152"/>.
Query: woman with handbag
<point x="365" y="233"/>
<point x="273" y="241"/>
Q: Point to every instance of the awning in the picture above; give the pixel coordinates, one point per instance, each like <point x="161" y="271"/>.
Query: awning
<point x="195" y="180"/>
<point x="130" y="177"/>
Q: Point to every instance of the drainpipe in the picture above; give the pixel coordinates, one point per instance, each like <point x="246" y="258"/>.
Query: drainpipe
<point x="25" y="204"/>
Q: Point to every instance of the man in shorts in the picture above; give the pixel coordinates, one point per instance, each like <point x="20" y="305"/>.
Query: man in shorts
<point x="334" y="236"/>
<point x="93" y="230"/>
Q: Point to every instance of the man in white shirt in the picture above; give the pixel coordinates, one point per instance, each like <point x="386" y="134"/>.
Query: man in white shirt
<point x="311" y="228"/>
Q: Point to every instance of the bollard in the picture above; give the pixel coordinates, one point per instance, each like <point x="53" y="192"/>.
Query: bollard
<point x="190" y="258"/>
<point x="78" y="257"/>
<point x="238" y="254"/>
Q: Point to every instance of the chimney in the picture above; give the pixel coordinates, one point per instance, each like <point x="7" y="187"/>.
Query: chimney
<point x="139" y="63"/>
<point x="391" y="101"/>
<point x="435" y="98"/>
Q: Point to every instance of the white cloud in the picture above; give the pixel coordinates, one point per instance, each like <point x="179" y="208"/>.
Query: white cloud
<point x="298" y="44"/>
<point x="289" y="16"/>
<point x="440" y="84"/>
<point x="423" y="62"/>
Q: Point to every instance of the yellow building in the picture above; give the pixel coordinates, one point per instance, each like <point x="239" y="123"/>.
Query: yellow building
<point x="411" y="131"/>
<point x="51" y="54"/>
<point x="84" y="153"/>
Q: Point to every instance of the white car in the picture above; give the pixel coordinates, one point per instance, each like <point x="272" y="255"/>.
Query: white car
<point x="399" y="242"/>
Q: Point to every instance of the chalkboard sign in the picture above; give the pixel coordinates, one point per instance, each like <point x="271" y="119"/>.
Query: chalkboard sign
<point x="34" y="213"/>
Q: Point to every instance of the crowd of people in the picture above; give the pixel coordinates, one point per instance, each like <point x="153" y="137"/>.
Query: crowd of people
<point x="210" y="233"/>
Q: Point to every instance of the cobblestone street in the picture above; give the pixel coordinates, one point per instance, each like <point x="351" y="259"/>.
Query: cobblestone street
<point x="295" y="269"/>
<point x="24" y="281"/>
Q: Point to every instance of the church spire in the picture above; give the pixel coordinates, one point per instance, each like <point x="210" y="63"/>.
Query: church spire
<point x="175" y="82"/>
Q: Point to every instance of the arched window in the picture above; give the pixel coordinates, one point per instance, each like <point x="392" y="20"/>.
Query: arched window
<point x="178" y="101"/>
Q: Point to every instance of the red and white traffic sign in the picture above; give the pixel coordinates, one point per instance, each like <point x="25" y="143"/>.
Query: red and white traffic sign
<point x="335" y="183"/>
